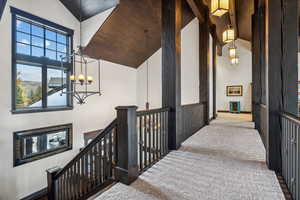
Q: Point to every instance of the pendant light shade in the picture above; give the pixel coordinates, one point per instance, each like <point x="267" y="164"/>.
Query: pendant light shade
<point x="219" y="7"/>
<point x="232" y="52"/>
<point x="235" y="61"/>
<point x="228" y="35"/>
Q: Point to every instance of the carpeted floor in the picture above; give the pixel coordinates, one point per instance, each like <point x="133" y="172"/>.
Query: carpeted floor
<point x="223" y="161"/>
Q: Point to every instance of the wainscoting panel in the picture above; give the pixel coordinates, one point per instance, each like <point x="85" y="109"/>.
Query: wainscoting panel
<point x="192" y="120"/>
<point x="263" y="124"/>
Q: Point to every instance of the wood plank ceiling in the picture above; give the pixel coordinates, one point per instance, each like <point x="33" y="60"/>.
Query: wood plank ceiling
<point x="89" y="9"/>
<point x="121" y="39"/>
<point x="2" y="6"/>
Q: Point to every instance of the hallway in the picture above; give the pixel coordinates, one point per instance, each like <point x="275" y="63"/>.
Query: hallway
<point x="223" y="161"/>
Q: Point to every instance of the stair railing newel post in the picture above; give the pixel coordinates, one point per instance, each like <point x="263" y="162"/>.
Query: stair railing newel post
<point x="127" y="169"/>
<point x="51" y="182"/>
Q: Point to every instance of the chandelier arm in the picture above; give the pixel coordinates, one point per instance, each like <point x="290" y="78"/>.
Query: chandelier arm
<point x="77" y="96"/>
<point x="88" y="95"/>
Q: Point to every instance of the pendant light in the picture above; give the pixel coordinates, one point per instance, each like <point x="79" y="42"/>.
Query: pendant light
<point x="232" y="50"/>
<point x="219" y="7"/>
<point x="228" y="35"/>
<point x="235" y="61"/>
<point x="79" y="83"/>
<point x="147" y="73"/>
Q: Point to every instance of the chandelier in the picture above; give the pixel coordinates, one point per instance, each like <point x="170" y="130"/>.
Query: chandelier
<point x="219" y="7"/>
<point x="81" y="79"/>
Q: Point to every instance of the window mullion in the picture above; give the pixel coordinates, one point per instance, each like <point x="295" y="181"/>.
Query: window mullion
<point x="44" y="86"/>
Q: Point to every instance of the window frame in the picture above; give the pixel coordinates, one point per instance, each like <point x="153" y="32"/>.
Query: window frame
<point x="44" y="62"/>
<point x="18" y="145"/>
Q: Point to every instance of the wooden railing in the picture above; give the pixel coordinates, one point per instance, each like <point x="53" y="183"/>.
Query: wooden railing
<point x="152" y="131"/>
<point x="90" y="171"/>
<point x="290" y="150"/>
<point x="128" y="146"/>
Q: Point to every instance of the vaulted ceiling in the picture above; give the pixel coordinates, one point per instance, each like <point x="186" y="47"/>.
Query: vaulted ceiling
<point x="2" y="6"/>
<point x="121" y="38"/>
<point x="89" y="8"/>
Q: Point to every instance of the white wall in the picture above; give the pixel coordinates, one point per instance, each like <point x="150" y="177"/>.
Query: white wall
<point x="241" y="74"/>
<point x="119" y="88"/>
<point x="92" y="25"/>
<point x="189" y="71"/>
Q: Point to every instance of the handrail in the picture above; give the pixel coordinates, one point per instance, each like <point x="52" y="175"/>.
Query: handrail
<point x="146" y="112"/>
<point x="106" y="131"/>
<point x="291" y="117"/>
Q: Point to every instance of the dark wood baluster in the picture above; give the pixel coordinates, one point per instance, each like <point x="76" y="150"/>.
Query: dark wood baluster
<point x="115" y="147"/>
<point x="91" y="168"/>
<point x="149" y="138"/>
<point x="157" y="132"/>
<point x="153" y="137"/>
<point x="71" y="181"/>
<point x="101" y="160"/>
<point x="62" y="189"/>
<point x="105" y="160"/>
<point x="96" y="164"/>
<point x="167" y="133"/>
<point x="145" y="141"/>
<point x="160" y="135"/>
<point x="86" y="170"/>
<point x="68" y="183"/>
<point x="163" y="133"/>
<point x="58" y="192"/>
<point x="78" y="178"/>
<point x="141" y="142"/>
<point x="65" y="185"/>
<point x="110" y="146"/>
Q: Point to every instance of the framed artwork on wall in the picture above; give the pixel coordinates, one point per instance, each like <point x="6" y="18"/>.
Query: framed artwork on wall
<point x="234" y="91"/>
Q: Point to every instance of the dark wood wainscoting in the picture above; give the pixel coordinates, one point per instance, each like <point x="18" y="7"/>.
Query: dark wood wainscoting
<point x="192" y="120"/>
<point x="263" y="125"/>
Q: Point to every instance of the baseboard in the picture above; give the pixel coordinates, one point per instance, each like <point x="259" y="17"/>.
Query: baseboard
<point x="227" y="111"/>
<point x="41" y="194"/>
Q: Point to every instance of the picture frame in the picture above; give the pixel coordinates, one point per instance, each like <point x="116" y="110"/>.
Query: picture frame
<point x="234" y="91"/>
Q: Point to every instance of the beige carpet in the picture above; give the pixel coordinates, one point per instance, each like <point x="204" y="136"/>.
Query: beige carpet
<point x="223" y="161"/>
<point x="235" y="116"/>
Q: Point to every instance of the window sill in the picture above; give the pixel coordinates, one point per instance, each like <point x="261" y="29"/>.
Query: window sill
<point x="39" y="110"/>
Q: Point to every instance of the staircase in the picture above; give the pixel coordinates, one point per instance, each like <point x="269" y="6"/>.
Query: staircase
<point x="128" y="146"/>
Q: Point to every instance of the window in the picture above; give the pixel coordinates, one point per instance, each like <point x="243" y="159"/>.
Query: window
<point x="36" y="144"/>
<point x="39" y="81"/>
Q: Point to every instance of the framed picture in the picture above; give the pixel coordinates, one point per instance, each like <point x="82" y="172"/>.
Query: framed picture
<point x="234" y="91"/>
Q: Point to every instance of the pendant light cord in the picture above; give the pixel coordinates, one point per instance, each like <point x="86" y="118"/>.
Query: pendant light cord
<point x="147" y="65"/>
<point x="80" y="36"/>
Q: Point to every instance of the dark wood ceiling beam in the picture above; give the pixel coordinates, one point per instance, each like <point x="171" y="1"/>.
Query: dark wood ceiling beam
<point x="2" y="6"/>
<point x="198" y="11"/>
<point x="201" y="11"/>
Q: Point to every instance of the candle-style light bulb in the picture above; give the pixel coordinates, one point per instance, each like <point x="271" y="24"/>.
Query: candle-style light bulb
<point x="72" y="78"/>
<point x="81" y="78"/>
<point x="90" y="79"/>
